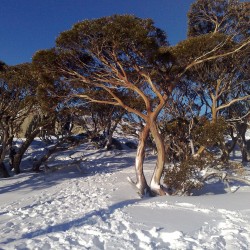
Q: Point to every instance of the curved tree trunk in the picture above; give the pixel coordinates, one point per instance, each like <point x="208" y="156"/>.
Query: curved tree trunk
<point x="156" y="178"/>
<point x="141" y="182"/>
<point x="44" y="158"/>
<point x="17" y="158"/>
<point x="111" y="130"/>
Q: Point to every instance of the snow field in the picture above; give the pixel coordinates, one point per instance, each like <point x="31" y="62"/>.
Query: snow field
<point x="96" y="208"/>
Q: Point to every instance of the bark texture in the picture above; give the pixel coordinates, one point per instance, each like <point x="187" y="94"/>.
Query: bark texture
<point x="141" y="182"/>
<point x="156" y="178"/>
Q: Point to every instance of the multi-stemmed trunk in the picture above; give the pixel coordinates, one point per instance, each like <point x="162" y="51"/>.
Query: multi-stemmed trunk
<point x="141" y="183"/>
<point x="111" y="129"/>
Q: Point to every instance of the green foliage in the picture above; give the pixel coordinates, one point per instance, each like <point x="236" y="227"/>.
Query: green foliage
<point x="51" y="85"/>
<point x="176" y="134"/>
<point x="184" y="177"/>
<point x="177" y="126"/>
<point x="45" y="61"/>
<point x="111" y="45"/>
<point x="2" y="66"/>
<point x="18" y="87"/>
<point x="191" y="174"/>
<point x="117" y="31"/>
<point x="194" y="47"/>
<point x="210" y="133"/>
<point x="230" y="17"/>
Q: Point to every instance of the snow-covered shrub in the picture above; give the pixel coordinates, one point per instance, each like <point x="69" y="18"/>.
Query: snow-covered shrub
<point x="192" y="174"/>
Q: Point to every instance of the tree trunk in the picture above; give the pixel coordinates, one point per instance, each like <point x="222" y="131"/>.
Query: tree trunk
<point x="243" y="150"/>
<point x="6" y="142"/>
<point x="3" y="171"/>
<point x="156" y="178"/>
<point x="17" y="158"/>
<point x="43" y="159"/>
<point x="111" y="130"/>
<point x="244" y="154"/>
<point x="242" y="129"/>
<point x="16" y="163"/>
<point x="141" y="182"/>
<point x="226" y="150"/>
<point x="109" y="135"/>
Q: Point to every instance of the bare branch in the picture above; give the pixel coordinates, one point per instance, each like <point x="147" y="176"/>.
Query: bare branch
<point x="233" y="101"/>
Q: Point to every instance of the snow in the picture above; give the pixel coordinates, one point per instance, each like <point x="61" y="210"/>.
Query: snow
<point x="91" y="205"/>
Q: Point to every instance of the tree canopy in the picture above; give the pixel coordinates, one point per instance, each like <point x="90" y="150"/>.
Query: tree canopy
<point x="109" y="67"/>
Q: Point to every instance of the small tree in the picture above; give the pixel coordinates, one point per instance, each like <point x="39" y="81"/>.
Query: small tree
<point x="224" y="81"/>
<point x="220" y="83"/>
<point x="119" y="55"/>
<point x="16" y="102"/>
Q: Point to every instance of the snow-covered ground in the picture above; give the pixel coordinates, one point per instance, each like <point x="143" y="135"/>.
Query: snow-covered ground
<point x="92" y="206"/>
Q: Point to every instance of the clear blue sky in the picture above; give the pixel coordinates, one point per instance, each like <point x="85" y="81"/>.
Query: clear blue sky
<point x="29" y="25"/>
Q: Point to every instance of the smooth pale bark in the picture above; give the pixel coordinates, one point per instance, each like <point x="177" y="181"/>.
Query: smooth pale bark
<point x="192" y="146"/>
<point x="156" y="178"/>
<point x="141" y="182"/>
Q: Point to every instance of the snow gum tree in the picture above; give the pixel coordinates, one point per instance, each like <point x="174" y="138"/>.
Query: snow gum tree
<point x="218" y="73"/>
<point x="224" y="81"/>
<point x="120" y="55"/>
<point x="129" y="59"/>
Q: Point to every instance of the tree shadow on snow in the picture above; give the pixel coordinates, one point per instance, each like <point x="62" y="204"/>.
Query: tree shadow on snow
<point x="90" y="218"/>
<point x="32" y="181"/>
<point x="211" y="189"/>
<point x="106" y="163"/>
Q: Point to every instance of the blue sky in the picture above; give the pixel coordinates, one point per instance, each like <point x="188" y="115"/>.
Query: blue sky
<point x="30" y="25"/>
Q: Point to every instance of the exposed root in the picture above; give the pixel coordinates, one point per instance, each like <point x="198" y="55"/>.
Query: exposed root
<point x="158" y="192"/>
<point x="141" y="191"/>
<point x="146" y="191"/>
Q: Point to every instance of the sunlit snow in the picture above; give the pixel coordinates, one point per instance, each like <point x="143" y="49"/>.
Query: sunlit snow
<point x="91" y="205"/>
